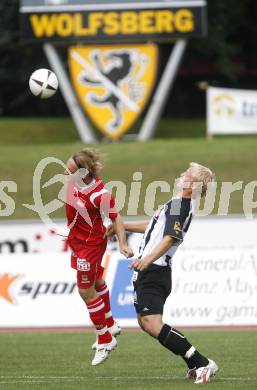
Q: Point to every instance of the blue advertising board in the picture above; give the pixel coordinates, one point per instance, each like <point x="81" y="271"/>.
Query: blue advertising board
<point x="122" y="295"/>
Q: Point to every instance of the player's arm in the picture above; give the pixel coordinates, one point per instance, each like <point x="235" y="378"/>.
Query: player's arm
<point x="106" y="203"/>
<point x="158" y="251"/>
<point x="132" y="227"/>
<point x="118" y="226"/>
<point x="172" y="233"/>
<point x="136" y="227"/>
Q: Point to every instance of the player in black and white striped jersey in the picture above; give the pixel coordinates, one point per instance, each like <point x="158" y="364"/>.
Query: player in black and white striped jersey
<point x="173" y="219"/>
<point x="152" y="268"/>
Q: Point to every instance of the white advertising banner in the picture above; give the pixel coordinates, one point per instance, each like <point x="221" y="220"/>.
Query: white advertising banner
<point x="231" y="111"/>
<point x="35" y="237"/>
<point x="32" y="237"/>
<point x="214" y="281"/>
<point x="39" y="290"/>
<point x="211" y="286"/>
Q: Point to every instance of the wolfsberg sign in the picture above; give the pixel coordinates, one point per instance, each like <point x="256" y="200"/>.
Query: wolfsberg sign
<point x="104" y="21"/>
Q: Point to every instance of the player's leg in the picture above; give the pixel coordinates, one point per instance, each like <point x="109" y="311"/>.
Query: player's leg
<point x="100" y="284"/>
<point x="151" y="291"/>
<point x="177" y="343"/>
<point x="151" y="324"/>
<point x="88" y="265"/>
<point x="95" y="306"/>
<point x="103" y="291"/>
<point x="199" y="367"/>
<point x="86" y="260"/>
<point x="140" y="322"/>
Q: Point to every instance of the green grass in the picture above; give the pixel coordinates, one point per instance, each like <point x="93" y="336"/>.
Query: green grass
<point x="29" y="131"/>
<point x="232" y="158"/>
<point x="62" y="361"/>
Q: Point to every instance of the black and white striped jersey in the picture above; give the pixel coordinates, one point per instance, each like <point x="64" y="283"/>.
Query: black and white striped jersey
<point x="172" y="219"/>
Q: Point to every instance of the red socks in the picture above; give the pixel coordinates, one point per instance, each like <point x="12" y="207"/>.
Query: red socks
<point x="96" y="309"/>
<point x="103" y="292"/>
<point x="101" y="315"/>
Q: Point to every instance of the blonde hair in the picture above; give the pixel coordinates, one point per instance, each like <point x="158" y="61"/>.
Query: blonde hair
<point x="89" y="159"/>
<point x="203" y="175"/>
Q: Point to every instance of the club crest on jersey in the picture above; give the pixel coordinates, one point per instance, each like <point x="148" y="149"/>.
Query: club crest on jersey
<point x="83" y="265"/>
<point x="177" y="227"/>
<point x="113" y="83"/>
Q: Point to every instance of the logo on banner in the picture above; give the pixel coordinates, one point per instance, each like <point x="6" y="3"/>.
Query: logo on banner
<point x="224" y="105"/>
<point x="32" y="289"/>
<point x="113" y="83"/>
<point x="122" y="295"/>
<point x="6" y="281"/>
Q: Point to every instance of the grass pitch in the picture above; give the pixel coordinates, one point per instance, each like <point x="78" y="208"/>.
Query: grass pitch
<point x="29" y="131"/>
<point x="50" y="361"/>
<point x="24" y="144"/>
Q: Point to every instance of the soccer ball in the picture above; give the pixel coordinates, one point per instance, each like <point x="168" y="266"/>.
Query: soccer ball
<point x="43" y="83"/>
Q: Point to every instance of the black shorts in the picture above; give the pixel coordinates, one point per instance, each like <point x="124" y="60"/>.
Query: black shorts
<point x="152" y="287"/>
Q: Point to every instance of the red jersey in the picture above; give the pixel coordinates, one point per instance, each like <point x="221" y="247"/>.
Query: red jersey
<point x="85" y="208"/>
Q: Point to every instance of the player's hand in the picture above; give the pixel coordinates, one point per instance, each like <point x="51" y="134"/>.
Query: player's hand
<point x="141" y="264"/>
<point x="109" y="232"/>
<point x="126" y="251"/>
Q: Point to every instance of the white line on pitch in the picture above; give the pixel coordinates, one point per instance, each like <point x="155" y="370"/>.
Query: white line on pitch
<point x="32" y="379"/>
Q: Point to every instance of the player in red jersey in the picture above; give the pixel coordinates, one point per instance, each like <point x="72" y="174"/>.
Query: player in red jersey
<point x="87" y="201"/>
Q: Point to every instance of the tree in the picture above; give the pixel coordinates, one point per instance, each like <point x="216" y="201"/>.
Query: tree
<point x="230" y="47"/>
<point x="17" y="59"/>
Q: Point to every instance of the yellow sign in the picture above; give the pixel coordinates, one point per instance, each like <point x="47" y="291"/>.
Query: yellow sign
<point x="113" y="23"/>
<point x="113" y="83"/>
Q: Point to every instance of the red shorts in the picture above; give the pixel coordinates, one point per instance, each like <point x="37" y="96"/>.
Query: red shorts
<point x="86" y="259"/>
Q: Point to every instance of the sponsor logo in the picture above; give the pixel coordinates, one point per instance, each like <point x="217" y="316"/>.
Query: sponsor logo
<point x="9" y="246"/>
<point x="84" y="279"/>
<point x="177" y="227"/>
<point x="6" y="281"/>
<point x="224" y="105"/>
<point x="10" y="290"/>
<point x="83" y="265"/>
<point x="113" y="83"/>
